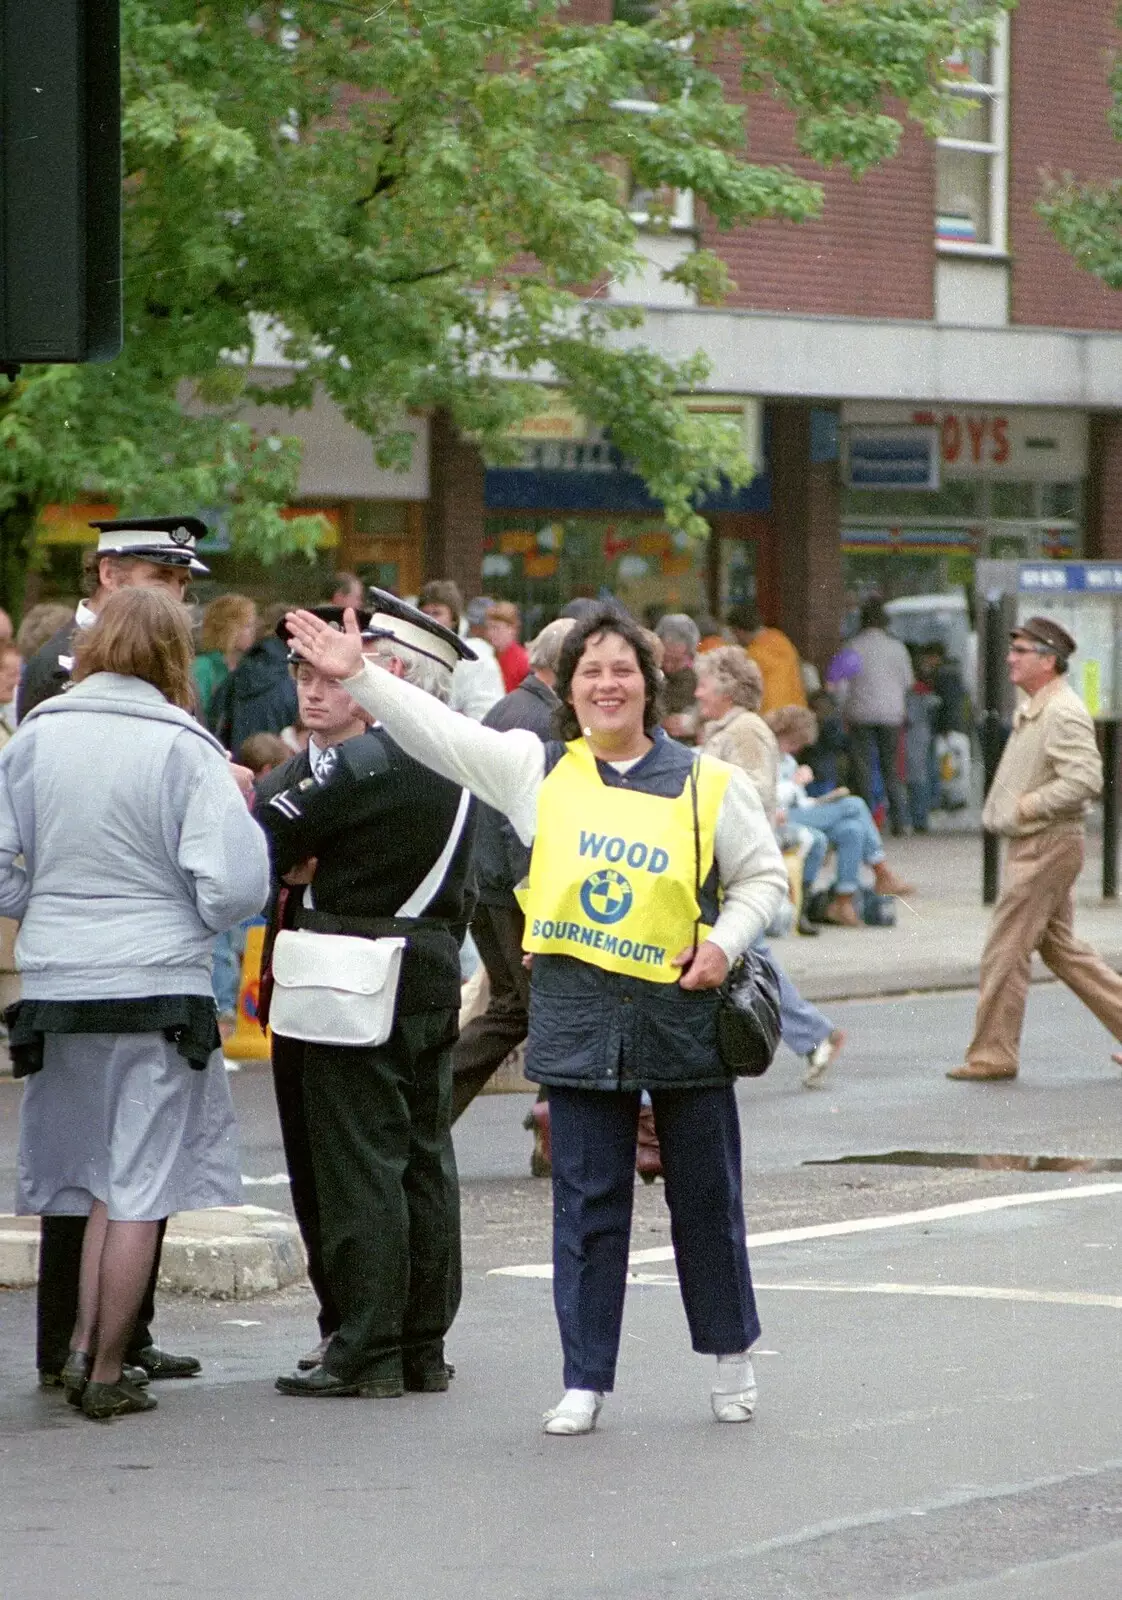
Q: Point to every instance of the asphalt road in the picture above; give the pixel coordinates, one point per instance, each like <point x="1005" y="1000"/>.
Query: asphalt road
<point x="939" y="1415"/>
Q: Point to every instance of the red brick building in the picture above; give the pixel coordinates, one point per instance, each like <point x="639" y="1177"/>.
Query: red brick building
<point x="928" y="305"/>
<point x="928" y="315"/>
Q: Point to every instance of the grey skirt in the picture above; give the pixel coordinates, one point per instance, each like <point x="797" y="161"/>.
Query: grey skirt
<point x="122" y="1118"/>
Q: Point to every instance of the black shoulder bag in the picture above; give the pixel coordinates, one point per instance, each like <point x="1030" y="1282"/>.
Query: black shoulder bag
<point x="748" y="1003"/>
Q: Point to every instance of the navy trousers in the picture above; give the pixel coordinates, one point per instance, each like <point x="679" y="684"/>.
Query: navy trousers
<point x="593" y="1135"/>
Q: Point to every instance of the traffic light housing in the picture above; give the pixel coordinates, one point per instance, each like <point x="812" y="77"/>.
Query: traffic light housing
<point x="60" y="180"/>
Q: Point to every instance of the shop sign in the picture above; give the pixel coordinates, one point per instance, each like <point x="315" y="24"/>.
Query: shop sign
<point x="1070" y="577"/>
<point x="891" y="458"/>
<point x="978" y="442"/>
<point x="558" y="420"/>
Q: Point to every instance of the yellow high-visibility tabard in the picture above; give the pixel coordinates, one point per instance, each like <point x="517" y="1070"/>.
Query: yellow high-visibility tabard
<point x="613" y="870"/>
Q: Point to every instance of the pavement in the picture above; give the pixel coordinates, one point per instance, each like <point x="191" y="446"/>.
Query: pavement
<point x="940" y="930"/>
<point x="229" y="1253"/>
<point x="938" y="1418"/>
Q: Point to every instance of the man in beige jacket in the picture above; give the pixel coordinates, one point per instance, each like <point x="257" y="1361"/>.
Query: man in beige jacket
<point x="1049" y="773"/>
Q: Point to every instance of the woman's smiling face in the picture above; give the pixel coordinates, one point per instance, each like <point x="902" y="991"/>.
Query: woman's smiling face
<point x="608" y="692"/>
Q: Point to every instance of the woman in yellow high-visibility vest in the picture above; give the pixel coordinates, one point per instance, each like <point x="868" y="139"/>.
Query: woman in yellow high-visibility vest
<point x="626" y="825"/>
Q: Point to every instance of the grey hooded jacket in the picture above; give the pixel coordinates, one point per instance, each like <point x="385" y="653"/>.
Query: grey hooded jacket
<point x="137" y="847"/>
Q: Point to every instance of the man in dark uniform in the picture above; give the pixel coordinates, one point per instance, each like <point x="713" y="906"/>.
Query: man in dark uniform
<point x="139" y="553"/>
<point x="374" y="845"/>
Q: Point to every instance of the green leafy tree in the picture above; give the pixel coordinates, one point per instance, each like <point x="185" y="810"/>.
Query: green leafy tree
<point x="419" y="202"/>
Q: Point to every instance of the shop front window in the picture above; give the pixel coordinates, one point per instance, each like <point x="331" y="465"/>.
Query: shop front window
<point x="892" y="545"/>
<point x="956" y="497"/>
<point x="542" y="562"/>
<point x="1013" y="500"/>
<point x="738" y="573"/>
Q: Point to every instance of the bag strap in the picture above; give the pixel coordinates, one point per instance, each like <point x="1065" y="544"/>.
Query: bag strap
<point x="696" y="854"/>
<point x="429" y="887"/>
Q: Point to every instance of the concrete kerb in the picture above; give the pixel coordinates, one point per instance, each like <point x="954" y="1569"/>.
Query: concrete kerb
<point x="232" y="1253"/>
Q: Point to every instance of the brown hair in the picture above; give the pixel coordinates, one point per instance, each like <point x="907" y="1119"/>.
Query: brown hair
<point x="606" y="619"/>
<point x="223" y="619"/>
<point x="794" y="722"/>
<point x="442" y="592"/>
<point x="140" y="633"/>
<point x="504" y="611"/>
<point x="261" y="751"/>
<point x="40" y="623"/>
<point x="337" y="581"/>
<point x="735" y="674"/>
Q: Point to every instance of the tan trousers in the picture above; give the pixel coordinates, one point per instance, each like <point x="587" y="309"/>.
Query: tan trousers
<point x="1035" y="912"/>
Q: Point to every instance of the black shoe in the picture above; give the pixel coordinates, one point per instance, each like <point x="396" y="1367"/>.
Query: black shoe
<point x="161" y="1364"/>
<point x="134" y="1375"/>
<point x="74" y="1375"/>
<point x="809" y="930"/>
<point x="431" y="1378"/>
<point x="319" y="1384"/>
<point x="104" y="1400"/>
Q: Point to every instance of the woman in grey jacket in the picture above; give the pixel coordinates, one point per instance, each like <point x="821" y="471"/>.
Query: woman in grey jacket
<point x="125" y="847"/>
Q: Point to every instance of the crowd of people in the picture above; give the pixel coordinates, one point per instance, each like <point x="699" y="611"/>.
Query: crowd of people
<point x="618" y="812"/>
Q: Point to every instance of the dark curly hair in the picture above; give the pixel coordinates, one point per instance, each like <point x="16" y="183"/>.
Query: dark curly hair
<point x="606" y="618"/>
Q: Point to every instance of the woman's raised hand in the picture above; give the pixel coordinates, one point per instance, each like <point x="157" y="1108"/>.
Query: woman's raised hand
<point x="335" y="654"/>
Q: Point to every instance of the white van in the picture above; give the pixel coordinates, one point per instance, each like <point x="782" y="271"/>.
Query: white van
<point x="923" y="618"/>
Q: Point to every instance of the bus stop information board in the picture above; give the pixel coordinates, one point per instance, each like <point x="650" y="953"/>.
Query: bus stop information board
<point x="1085" y="597"/>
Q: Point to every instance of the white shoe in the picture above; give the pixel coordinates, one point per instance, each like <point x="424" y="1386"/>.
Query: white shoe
<point x="734" y="1394"/>
<point x="821" y="1056"/>
<point x="576" y="1412"/>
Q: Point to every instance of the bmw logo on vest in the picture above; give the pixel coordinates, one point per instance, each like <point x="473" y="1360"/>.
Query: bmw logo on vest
<point x="606" y="897"/>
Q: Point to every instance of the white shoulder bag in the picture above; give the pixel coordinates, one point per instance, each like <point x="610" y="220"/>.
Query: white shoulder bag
<point x="335" y="988"/>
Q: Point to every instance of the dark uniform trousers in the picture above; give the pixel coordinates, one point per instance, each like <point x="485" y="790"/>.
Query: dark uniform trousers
<point x="376" y="1127"/>
<point x="593" y="1187"/>
<point x="60" y="1258"/>
<point x="288" y="1083"/>
<point x="488" y="1039"/>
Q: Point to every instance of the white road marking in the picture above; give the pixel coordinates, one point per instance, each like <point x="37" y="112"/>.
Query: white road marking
<point x="275" y="1180"/>
<point x="938" y="1291"/>
<point x="837" y="1230"/>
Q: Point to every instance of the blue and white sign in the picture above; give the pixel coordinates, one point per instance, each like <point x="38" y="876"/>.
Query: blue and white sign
<point x="1070" y="577"/>
<point x="892" y="458"/>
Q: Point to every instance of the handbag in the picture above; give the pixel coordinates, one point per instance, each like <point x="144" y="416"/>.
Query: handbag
<point x="334" y="988"/>
<point x="341" y="989"/>
<point x="748" y="999"/>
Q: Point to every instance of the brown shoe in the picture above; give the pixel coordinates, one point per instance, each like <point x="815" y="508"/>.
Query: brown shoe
<point x="981" y="1072"/>
<point x="648" y="1156"/>
<point x="842" y="913"/>
<point x="885" y="881"/>
<point x="541" y="1156"/>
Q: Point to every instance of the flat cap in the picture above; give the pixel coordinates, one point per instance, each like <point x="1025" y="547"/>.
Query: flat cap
<point x="1043" y="631"/>
<point x="168" y="541"/>
<point x="391" y="618"/>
